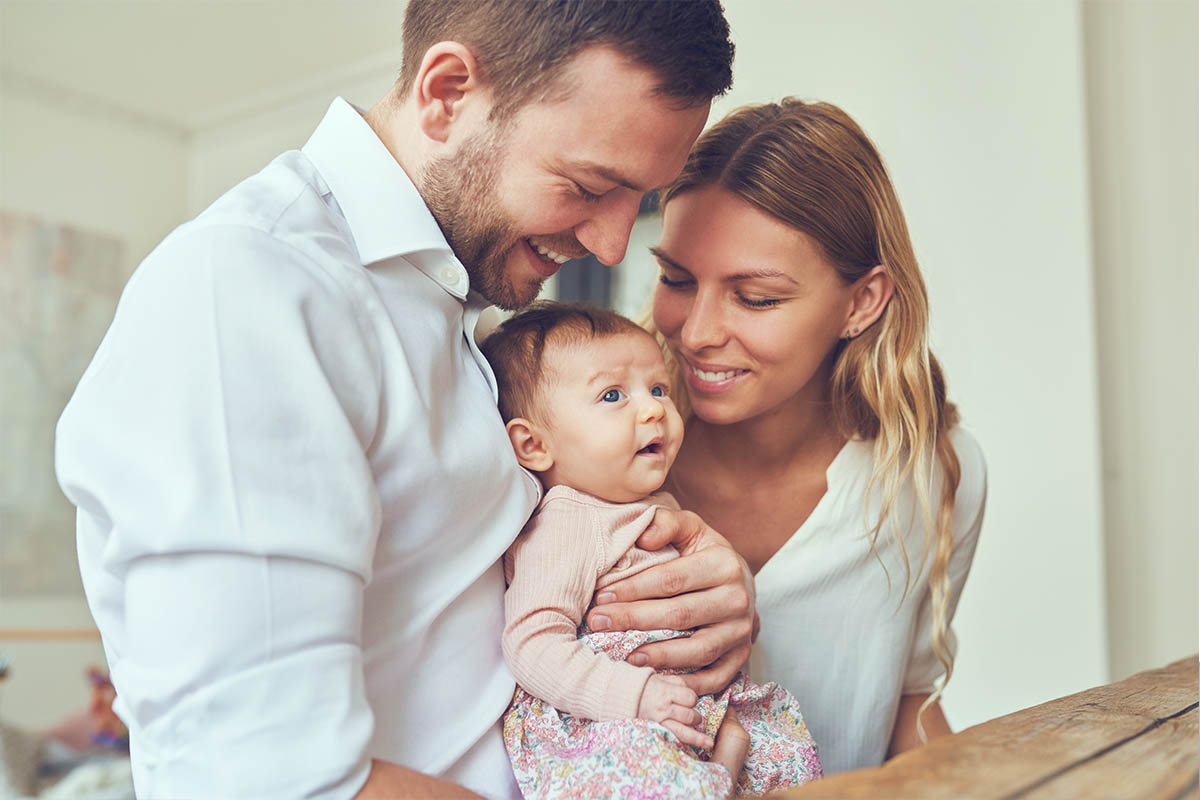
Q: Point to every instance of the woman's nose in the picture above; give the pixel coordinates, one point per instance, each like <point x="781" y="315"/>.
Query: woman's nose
<point x="704" y="325"/>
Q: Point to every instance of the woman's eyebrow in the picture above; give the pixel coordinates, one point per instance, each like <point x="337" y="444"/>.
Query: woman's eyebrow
<point x="661" y="255"/>
<point x="762" y="272"/>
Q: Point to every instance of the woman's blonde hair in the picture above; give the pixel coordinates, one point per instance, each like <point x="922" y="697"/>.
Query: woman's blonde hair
<point x="810" y="166"/>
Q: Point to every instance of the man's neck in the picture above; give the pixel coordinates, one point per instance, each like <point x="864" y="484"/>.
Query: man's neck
<point x="395" y="123"/>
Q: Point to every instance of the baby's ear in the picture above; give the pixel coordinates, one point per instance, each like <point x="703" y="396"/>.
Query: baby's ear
<point x="528" y="444"/>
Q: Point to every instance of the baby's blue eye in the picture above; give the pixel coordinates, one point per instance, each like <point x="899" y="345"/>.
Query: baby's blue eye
<point x="657" y="391"/>
<point x="611" y="396"/>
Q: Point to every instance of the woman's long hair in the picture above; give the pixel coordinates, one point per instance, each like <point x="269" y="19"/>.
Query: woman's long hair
<point x="810" y="166"/>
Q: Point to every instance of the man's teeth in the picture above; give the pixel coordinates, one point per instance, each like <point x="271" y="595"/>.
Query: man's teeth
<point x="546" y="252"/>
<point x="712" y="377"/>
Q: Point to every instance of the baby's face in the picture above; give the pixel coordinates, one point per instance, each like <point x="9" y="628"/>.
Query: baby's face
<point x="611" y="429"/>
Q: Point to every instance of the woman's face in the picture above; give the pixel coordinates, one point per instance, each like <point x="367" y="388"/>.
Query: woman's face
<point x="748" y="305"/>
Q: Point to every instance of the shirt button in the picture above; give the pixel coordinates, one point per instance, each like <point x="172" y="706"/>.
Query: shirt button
<point x="450" y="275"/>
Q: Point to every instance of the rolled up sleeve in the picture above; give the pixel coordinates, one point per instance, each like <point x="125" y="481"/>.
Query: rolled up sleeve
<point x="217" y="452"/>
<point x="924" y="668"/>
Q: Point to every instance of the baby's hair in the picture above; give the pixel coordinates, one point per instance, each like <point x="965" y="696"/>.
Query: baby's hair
<point x="516" y="347"/>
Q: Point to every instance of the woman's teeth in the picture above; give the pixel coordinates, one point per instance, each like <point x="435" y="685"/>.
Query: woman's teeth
<point x="547" y="253"/>
<point x="713" y="377"/>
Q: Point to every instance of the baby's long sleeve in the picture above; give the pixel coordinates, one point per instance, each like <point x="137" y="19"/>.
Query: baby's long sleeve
<point x="552" y="570"/>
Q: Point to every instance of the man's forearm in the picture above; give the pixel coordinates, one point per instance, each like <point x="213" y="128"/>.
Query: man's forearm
<point x="389" y="781"/>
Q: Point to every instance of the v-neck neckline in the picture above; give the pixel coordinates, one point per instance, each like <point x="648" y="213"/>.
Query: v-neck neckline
<point x="820" y="508"/>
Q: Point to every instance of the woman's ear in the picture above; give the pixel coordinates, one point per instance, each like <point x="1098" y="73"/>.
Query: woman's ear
<point x="870" y="297"/>
<point x="529" y="445"/>
<point x="446" y="88"/>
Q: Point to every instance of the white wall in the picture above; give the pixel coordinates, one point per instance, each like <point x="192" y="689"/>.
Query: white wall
<point x="81" y="164"/>
<point x="224" y="154"/>
<point x="1142" y="90"/>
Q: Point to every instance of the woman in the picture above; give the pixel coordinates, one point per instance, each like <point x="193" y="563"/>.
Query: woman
<point x="820" y="441"/>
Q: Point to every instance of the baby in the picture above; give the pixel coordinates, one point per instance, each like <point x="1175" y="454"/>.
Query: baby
<point x="584" y="394"/>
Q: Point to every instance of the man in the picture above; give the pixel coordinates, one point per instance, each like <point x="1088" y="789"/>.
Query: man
<point x="293" y="484"/>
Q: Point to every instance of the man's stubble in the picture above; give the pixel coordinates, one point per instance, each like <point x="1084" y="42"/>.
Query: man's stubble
<point x="460" y="191"/>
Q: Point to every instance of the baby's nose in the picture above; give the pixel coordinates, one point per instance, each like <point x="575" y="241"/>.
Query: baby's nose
<point x="652" y="410"/>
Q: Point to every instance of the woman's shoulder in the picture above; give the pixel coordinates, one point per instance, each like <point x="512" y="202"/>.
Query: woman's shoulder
<point x="972" y="480"/>
<point x="855" y="466"/>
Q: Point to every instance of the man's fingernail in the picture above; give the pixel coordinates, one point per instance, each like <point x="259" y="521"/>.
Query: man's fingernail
<point x="600" y="623"/>
<point x="605" y="597"/>
<point x="639" y="659"/>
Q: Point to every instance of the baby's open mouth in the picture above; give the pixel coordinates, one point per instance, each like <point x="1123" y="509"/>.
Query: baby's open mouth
<point x="652" y="449"/>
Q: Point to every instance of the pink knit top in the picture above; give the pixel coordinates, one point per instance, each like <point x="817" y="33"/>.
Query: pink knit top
<point x="573" y="546"/>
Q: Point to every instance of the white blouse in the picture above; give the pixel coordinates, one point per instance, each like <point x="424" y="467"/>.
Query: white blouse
<point x="838" y="629"/>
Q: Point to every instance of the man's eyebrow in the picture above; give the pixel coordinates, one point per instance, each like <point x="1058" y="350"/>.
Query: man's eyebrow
<point x="762" y="272"/>
<point x="609" y="174"/>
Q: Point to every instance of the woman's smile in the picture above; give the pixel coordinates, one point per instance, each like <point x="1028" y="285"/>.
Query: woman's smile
<point x="712" y="378"/>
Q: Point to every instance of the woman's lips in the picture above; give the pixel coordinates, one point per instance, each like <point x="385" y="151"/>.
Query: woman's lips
<point x="712" y="378"/>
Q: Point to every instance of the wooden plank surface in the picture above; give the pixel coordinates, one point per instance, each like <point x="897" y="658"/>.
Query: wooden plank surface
<point x="1158" y="765"/>
<point x="1085" y="745"/>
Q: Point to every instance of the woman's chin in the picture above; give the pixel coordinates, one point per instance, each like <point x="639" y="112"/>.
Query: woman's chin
<point x="716" y="410"/>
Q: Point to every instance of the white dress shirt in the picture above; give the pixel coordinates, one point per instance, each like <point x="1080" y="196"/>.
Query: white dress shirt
<point x="841" y="633"/>
<point x="294" y="488"/>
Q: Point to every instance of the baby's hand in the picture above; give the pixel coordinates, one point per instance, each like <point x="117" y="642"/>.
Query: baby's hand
<point x="667" y="700"/>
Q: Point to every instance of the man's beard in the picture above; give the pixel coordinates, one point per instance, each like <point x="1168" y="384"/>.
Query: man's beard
<point x="460" y="191"/>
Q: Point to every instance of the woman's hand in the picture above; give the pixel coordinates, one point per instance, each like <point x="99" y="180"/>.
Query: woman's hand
<point x="668" y="701"/>
<point x="733" y="743"/>
<point x="709" y="587"/>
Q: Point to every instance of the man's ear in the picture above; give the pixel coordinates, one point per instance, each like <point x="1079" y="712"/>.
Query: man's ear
<point x="529" y="445"/>
<point x="447" y="88"/>
<point x="870" y="297"/>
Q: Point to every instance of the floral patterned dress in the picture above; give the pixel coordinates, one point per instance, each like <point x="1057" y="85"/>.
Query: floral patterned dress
<point x="557" y="755"/>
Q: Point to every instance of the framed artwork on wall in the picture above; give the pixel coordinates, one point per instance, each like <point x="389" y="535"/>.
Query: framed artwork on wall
<point x="58" y="289"/>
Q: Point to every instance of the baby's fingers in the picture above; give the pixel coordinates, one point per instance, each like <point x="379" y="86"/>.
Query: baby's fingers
<point x="680" y="694"/>
<point x="688" y="735"/>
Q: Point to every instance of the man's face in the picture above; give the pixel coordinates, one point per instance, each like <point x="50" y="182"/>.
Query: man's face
<point x="559" y="179"/>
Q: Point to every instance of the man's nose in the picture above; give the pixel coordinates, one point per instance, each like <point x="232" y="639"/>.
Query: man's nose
<point x="606" y="232"/>
<point x="705" y="323"/>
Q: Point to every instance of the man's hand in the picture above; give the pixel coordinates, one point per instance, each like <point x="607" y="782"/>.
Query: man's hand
<point x="709" y="587"/>
<point x="667" y="700"/>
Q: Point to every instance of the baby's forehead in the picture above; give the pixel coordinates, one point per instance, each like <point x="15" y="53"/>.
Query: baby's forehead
<point x="580" y="358"/>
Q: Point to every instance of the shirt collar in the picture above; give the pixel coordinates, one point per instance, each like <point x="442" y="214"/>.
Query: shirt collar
<point x="384" y="210"/>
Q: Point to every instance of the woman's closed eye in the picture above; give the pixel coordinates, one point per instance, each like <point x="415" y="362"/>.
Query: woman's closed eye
<point x="758" y="302"/>
<point x="671" y="284"/>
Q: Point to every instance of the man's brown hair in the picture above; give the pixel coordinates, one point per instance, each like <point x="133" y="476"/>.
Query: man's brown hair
<point x="515" y="349"/>
<point x="521" y="46"/>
